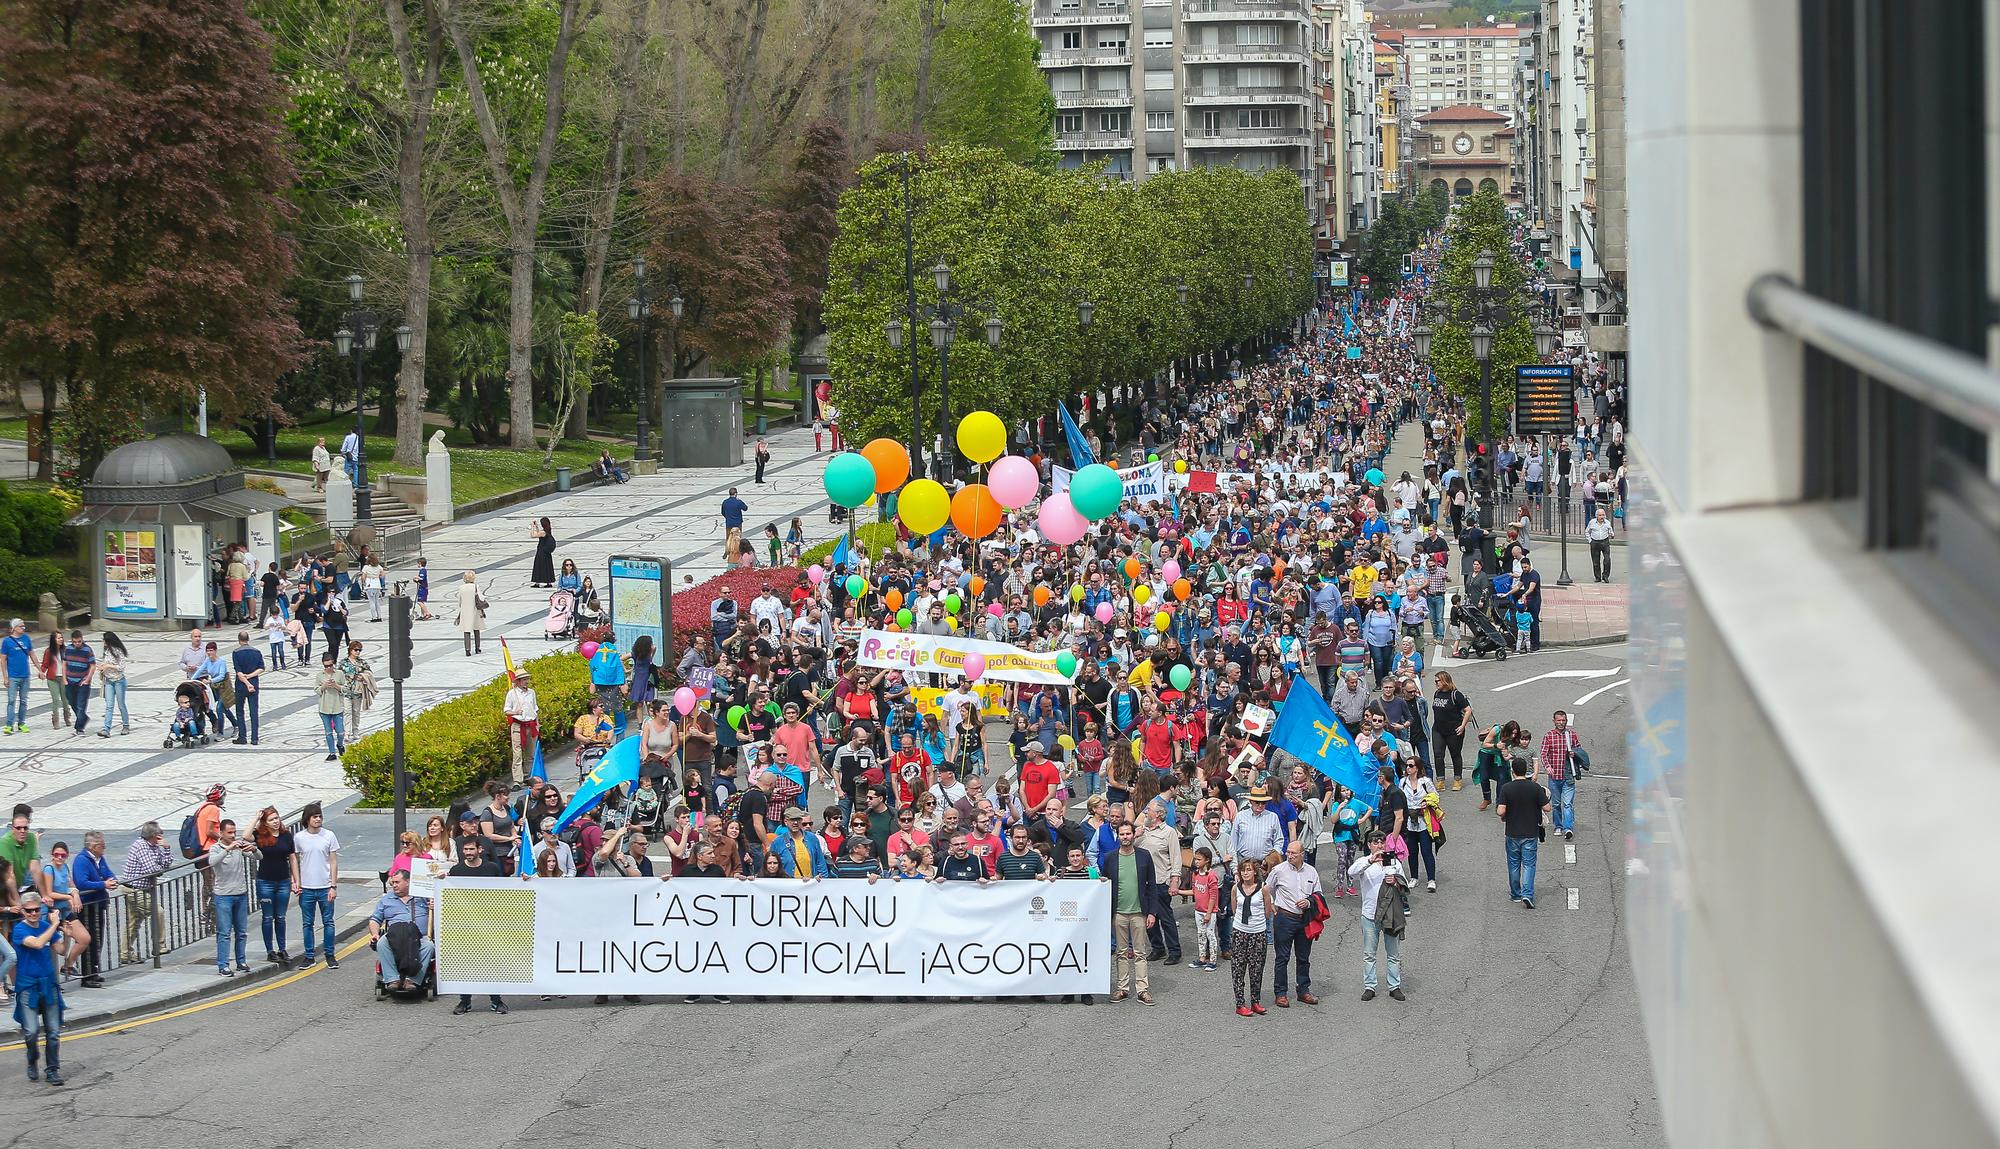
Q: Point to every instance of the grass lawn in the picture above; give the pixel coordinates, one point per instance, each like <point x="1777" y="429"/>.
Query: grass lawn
<point x="476" y="472"/>
<point x="14" y="428"/>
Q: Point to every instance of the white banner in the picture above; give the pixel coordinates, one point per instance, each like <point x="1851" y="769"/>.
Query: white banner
<point x="945" y="654"/>
<point x="1146" y="484"/>
<point x="773" y="936"/>
<point x="260" y="531"/>
<point x="190" y="577"/>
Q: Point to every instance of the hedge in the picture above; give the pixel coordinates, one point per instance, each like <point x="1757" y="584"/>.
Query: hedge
<point x="23" y="581"/>
<point x="455" y="747"/>
<point x="877" y="537"/>
<point x="31" y="522"/>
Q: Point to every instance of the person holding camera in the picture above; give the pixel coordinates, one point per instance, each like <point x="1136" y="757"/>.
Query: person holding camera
<point x="1382" y="884"/>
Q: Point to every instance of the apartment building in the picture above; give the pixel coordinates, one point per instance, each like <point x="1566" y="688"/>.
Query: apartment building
<point x="1466" y="65"/>
<point x="1161" y="85"/>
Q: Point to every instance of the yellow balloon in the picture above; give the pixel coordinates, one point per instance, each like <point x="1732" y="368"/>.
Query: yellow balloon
<point x="982" y="437"/>
<point x="1138" y="749"/>
<point x="1066" y="742"/>
<point x="1141" y="593"/>
<point x="1161" y="621"/>
<point x="923" y="506"/>
<point x="1180" y="466"/>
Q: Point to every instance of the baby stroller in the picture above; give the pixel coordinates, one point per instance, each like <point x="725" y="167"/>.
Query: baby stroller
<point x="589" y="612"/>
<point x="194" y="732"/>
<point x="1479" y="634"/>
<point x="561" y="620"/>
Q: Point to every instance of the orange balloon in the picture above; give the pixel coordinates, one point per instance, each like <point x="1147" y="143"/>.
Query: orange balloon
<point x="1131" y="568"/>
<point x="894" y="598"/>
<point x="1182" y="589"/>
<point x="978" y="585"/>
<point x="890" y="626"/>
<point x="1041" y="596"/>
<point x="974" y="511"/>
<point x="891" y="462"/>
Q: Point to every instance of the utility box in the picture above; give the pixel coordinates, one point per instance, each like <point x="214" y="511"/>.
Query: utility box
<point x="701" y="423"/>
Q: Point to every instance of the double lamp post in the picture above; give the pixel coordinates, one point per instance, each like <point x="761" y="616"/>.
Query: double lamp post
<point x="945" y="316"/>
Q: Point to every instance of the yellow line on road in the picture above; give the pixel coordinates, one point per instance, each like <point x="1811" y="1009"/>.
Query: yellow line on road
<point x="353" y="947"/>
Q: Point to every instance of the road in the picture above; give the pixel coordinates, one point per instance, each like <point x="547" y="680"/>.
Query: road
<point x="1522" y="1028"/>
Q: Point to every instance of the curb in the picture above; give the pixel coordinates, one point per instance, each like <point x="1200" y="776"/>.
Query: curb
<point x="1578" y="643"/>
<point x="76" y="1019"/>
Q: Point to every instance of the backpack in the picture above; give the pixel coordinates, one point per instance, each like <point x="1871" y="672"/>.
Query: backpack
<point x="191" y="833"/>
<point x="731" y="806"/>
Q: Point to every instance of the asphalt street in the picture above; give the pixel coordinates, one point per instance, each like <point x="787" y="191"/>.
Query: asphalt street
<point x="1522" y="1028"/>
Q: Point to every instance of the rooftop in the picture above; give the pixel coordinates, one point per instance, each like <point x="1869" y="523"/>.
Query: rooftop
<point x="1461" y="114"/>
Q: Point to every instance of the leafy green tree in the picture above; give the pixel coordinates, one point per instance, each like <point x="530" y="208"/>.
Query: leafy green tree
<point x="989" y="91"/>
<point x="1481" y="226"/>
<point x="582" y="356"/>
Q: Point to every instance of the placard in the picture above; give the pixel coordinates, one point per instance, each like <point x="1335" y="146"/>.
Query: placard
<point x="1544" y="399"/>
<point x="260" y="533"/>
<point x="775" y="936"/>
<point x="638" y="605"/>
<point x="131" y="572"/>
<point x="1337" y="272"/>
<point x="190" y="570"/>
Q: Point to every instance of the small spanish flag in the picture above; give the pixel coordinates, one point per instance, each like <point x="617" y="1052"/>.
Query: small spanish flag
<point x="507" y="657"/>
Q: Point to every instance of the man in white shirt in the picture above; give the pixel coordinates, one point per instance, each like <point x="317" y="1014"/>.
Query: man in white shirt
<point x="1598" y="531"/>
<point x="316" y="876"/>
<point x="350" y="453"/>
<point x="1375" y="869"/>
<point x="1258" y="833"/>
<point x="194" y="653"/>
<point x="768" y="607"/>
<point x="523" y="711"/>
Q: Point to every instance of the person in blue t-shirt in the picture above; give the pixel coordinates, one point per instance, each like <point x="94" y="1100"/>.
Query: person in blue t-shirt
<point x="38" y="1002"/>
<point x="17" y="651"/>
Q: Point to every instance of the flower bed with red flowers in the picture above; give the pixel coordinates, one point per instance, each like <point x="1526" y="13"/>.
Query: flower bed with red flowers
<point x="690" y="606"/>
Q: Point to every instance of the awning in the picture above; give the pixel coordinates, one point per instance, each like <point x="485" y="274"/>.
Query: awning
<point x="241" y="503"/>
<point x="138" y="514"/>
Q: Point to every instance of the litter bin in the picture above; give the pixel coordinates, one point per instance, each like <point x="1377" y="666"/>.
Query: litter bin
<point x="562" y="478"/>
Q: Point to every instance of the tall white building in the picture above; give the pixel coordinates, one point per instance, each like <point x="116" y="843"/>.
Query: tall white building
<point x="1466" y="65"/>
<point x="1348" y="144"/>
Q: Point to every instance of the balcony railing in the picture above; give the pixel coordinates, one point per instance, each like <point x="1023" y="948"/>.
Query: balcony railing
<point x="1237" y="94"/>
<point x="1094" y="142"/>
<point x="1244" y="54"/>
<point x="1046" y="17"/>
<point x="1086" y="57"/>
<point x="1253" y="138"/>
<point x="1215" y="10"/>
<point x="1094" y="99"/>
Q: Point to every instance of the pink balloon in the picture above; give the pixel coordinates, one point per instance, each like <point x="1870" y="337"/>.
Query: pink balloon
<point x="588" y="650"/>
<point x="816" y="574"/>
<point x="995" y="609"/>
<point x="1059" y="520"/>
<point x="684" y="700"/>
<point x="1172" y="570"/>
<point x="975" y="666"/>
<point x="1104" y="613"/>
<point x="1013" y="481"/>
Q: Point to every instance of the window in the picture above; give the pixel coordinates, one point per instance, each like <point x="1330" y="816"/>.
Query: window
<point x="1260" y="118"/>
<point x="1112" y="40"/>
<point x="1113" y="80"/>
<point x="1069" y="123"/>
<point x="1160" y="164"/>
<point x="1487" y="145"/>
<point x="1159" y="121"/>
<point x="1072" y="41"/>
<point x="1114" y="123"/>
<point x="1211" y="124"/>
<point x="1259" y="76"/>
<point x="1159" y="37"/>
<point x="1066" y="80"/>
<point x="1159" y="80"/>
<point x="1437" y="146"/>
<point x="1259" y="34"/>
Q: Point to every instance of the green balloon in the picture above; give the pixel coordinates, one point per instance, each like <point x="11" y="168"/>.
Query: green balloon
<point x="952" y="603"/>
<point x="735" y="717"/>
<point x="849" y="479"/>
<point x="1096" y="491"/>
<point x="1180" y="676"/>
<point x="1066" y="664"/>
<point x="855" y="585"/>
<point x="1154" y="458"/>
<point x="905" y="619"/>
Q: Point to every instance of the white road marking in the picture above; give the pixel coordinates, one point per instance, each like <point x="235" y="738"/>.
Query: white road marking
<point x="1561" y="674"/>
<point x="1593" y="694"/>
<point x="1569" y="853"/>
<point x="1573" y="897"/>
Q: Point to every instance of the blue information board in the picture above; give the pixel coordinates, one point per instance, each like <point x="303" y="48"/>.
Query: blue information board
<point x="640" y="589"/>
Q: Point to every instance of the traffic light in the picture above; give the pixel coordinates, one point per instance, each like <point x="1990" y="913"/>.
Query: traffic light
<point x="399" y="636"/>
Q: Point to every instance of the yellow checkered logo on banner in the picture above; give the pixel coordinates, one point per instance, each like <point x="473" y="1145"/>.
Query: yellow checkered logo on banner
<point x="487" y="935"/>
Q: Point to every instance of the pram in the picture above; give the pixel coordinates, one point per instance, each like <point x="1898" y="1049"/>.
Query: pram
<point x="1479" y="634"/>
<point x="589" y="613"/>
<point x="561" y="620"/>
<point x="196" y="696"/>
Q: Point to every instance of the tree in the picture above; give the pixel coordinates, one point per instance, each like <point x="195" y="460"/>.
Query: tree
<point x="582" y="361"/>
<point x="808" y="203"/>
<point x="142" y="182"/>
<point x="993" y="93"/>
<point x="520" y="204"/>
<point x="718" y="248"/>
<point x="1481" y="225"/>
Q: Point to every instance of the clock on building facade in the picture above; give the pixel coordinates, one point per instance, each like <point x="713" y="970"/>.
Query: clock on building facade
<point x="1462" y="144"/>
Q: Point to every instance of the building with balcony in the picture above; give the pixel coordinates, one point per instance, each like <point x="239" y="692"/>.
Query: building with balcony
<point x="1469" y="65"/>
<point x="1157" y="85"/>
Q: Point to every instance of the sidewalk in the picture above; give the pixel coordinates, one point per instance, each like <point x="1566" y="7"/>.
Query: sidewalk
<point x="1584" y="614"/>
<point x="188" y="973"/>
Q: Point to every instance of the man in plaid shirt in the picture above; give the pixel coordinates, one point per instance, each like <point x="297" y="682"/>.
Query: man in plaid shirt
<point x="1555" y="763"/>
<point x="1436" y="579"/>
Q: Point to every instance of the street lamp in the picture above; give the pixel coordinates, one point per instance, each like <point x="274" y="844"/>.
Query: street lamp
<point x="1545" y="340"/>
<point x="639" y="309"/>
<point x="356" y="337"/>
<point x="944" y="315"/>
<point x="1422" y="335"/>
<point x="1084" y="309"/>
<point x="1482" y="271"/>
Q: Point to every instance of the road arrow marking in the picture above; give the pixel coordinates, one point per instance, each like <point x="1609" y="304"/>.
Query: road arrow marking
<point x="1561" y="674"/>
<point x="1593" y="694"/>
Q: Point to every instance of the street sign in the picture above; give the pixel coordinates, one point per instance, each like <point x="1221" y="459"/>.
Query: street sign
<point x="1544" y="399"/>
<point x="641" y="603"/>
<point x="1336" y="272"/>
<point x="1574" y="337"/>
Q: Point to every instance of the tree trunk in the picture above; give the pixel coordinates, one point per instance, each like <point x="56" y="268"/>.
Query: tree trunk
<point x="679" y="153"/>
<point x="739" y="91"/>
<point x="420" y="85"/>
<point x="927" y="31"/>
<point x="597" y="252"/>
<point x="45" y="469"/>
<point x="521" y="207"/>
